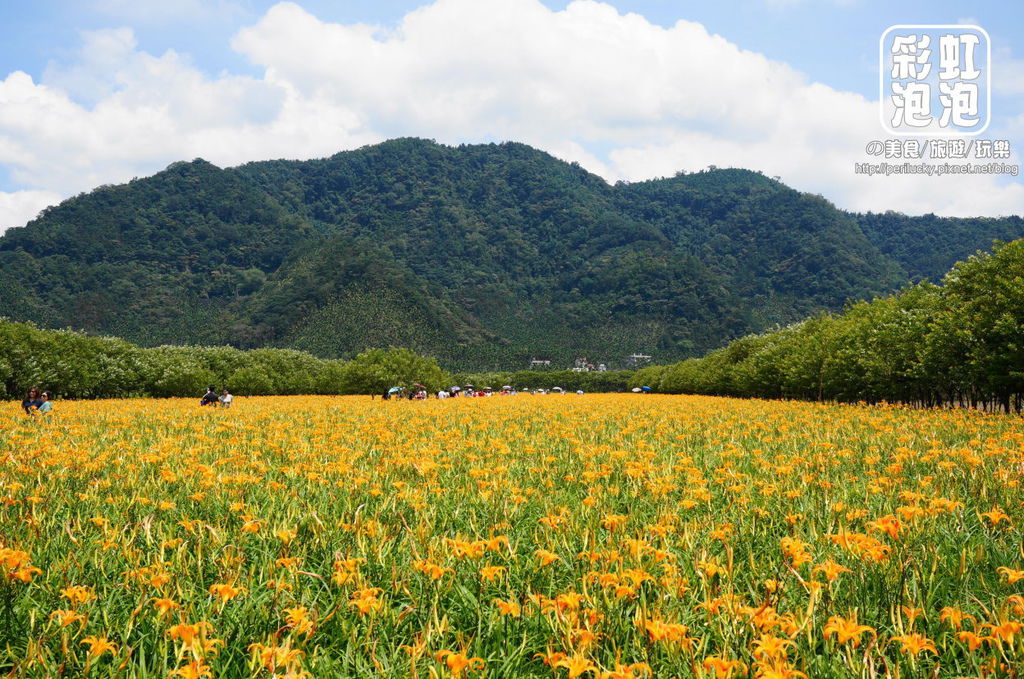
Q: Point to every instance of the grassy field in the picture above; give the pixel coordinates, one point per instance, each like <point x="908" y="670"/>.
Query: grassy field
<point x="605" y="536"/>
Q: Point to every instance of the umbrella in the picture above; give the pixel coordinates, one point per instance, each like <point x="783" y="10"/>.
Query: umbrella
<point x="421" y="386"/>
<point x="395" y="390"/>
<point x="507" y="387"/>
<point x="635" y="390"/>
<point x="645" y="388"/>
<point x="556" y="389"/>
<point x="455" y="389"/>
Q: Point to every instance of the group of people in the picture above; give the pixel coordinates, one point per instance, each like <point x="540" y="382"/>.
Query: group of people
<point x="470" y="392"/>
<point x="37" y="402"/>
<point x="420" y="392"/>
<point x="212" y="398"/>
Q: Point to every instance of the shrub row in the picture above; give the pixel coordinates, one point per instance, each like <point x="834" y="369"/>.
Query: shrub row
<point x="960" y="343"/>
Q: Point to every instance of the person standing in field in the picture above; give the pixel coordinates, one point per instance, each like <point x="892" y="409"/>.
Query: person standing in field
<point x="210" y="397"/>
<point x="226" y="398"/>
<point x="45" y="406"/>
<point x="32" y="401"/>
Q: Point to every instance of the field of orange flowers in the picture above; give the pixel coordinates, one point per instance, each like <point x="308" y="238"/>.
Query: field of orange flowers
<point x="605" y="536"/>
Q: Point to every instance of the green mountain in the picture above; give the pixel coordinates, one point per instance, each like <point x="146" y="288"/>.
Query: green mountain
<point x="483" y="256"/>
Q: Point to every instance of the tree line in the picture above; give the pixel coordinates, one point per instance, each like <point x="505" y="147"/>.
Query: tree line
<point x="960" y="343"/>
<point x="75" y="365"/>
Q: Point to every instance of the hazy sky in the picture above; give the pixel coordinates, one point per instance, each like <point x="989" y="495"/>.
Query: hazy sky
<point x="99" y="91"/>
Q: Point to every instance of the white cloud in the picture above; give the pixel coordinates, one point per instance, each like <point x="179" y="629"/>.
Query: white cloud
<point x="153" y="111"/>
<point x="662" y="99"/>
<point x="19" y="207"/>
<point x="624" y="97"/>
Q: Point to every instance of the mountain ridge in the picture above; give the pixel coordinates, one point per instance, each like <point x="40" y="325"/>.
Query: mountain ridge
<point x="482" y="255"/>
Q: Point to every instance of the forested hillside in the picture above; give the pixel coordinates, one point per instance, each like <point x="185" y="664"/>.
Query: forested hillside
<point x="483" y="256"/>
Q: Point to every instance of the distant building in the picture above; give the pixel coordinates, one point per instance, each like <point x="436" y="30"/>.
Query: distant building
<point x="539" y="363"/>
<point x="584" y="365"/>
<point x="637" y="360"/>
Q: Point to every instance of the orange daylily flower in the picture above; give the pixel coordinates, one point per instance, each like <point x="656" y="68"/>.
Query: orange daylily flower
<point x="458" y="663"/>
<point x="1012" y="575"/>
<point x="915" y="644"/>
<point x="846" y="630"/>
<point x="98" y="646"/>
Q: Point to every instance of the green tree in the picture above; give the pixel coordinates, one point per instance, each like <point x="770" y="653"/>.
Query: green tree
<point x="375" y="370"/>
<point x="986" y="294"/>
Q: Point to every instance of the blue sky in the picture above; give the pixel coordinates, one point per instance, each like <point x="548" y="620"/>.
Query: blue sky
<point x="128" y="86"/>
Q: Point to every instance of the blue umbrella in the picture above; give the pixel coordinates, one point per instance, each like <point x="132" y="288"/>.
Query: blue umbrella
<point x="395" y="390"/>
<point x="646" y="388"/>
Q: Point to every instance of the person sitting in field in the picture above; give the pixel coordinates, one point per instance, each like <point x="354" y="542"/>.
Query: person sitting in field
<point x="32" y="401"/>
<point x="210" y="397"/>
<point x="226" y="398"/>
<point x="45" y="406"/>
